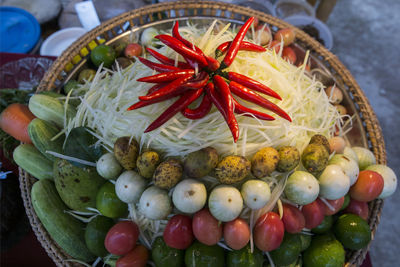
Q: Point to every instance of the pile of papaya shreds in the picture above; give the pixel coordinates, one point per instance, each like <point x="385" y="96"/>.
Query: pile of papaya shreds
<point x="202" y="75"/>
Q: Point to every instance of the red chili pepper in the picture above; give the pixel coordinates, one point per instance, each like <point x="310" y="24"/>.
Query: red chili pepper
<point x="225" y="94"/>
<point x="166" y="60"/>
<point x="166" y="76"/>
<point x="177" y="35"/>
<point x="252" y="84"/>
<point x="246" y="46"/>
<point x="156" y="87"/>
<point x="247" y="94"/>
<point x="240" y="109"/>
<point x="218" y="102"/>
<point x="197" y="82"/>
<point x="141" y="104"/>
<point x="234" y="46"/>
<point x="177" y="106"/>
<point x="202" y="110"/>
<point x="213" y="64"/>
<point x="166" y="90"/>
<point x="156" y="66"/>
<point x="180" y="48"/>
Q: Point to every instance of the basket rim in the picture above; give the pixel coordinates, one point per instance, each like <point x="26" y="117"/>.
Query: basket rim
<point x="54" y="75"/>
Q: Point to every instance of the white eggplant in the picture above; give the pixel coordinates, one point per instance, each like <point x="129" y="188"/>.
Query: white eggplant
<point x="130" y="186"/>
<point x="189" y="196"/>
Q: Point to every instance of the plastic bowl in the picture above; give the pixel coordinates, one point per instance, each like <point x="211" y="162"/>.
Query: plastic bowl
<point x="323" y="30"/>
<point x="56" y="43"/>
<point x="287" y="8"/>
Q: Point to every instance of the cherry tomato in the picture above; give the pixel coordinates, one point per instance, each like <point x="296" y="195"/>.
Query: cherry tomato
<point x="206" y="228"/>
<point x="293" y="219"/>
<point x="133" y="50"/>
<point x="289" y="55"/>
<point x="369" y="185"/>
<point x="336" y="205"/>
<point x="122" y="237"/>
<point x="178" y="232"/>
<point x="268" y="232"/>
<point x="236" y="233"/>
<point x="287" y="35"/>
<point x="358" y="208"/>
<point x="276" y="45"/>
<point x="135" y="258"/>
<point x="313" y="213"/>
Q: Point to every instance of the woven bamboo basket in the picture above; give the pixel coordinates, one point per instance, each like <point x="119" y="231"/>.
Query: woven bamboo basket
<point x="366" y="132"/>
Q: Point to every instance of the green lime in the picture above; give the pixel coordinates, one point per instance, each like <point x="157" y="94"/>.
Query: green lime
<point x="86" y="75"/>
<point x="346" y="202"/>
<point x="165" y="256"/>
<point x="305" y="241"/>
<point x="95" y="234"/>
<point x="352" y="231"/>
<point x="323" y="227"/>
<point x="324" y="250"/>
<point x="244" y="257"/>
<point x="71" y="84"/>
<point x="108" y="203"/>
<point x="288" y="251"/>
<point x="200" y="255"/>
<point x="103" y="54"/>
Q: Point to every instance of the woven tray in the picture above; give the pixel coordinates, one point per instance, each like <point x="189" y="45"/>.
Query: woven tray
<point x="367" y="130"/>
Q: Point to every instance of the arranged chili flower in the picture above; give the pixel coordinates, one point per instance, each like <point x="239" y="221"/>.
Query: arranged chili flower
<point x="202" y="75"/>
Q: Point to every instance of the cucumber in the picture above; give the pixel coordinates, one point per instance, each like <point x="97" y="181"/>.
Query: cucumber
<point x="65" y="230"/>
<point x="41" y="132"/>
<point x="31" y="160"/>
<point x="50" y="109"/>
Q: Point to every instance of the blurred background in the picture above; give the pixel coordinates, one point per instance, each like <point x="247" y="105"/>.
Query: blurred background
<point x="362" y="33"/>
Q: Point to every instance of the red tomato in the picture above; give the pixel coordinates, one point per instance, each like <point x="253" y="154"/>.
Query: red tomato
<point x="287" y="35"/>
<point x="206" y="228"/>
<point x="236" y="233"/>
<point x="293" y="219"/>
<point x="268" y="232"/>
<point x="336" y="205"/>
<point x="289" y="55"/>
<point x="133" y="50"/>
<point x="122" y="237"/>
<point x="135" y="258"/>
<point x="313" y="213"/>
<point x="358" y="208"/>
<point x="276" y="45"/>
<point x="369" y="185"/>
<point x="178" y="232"/>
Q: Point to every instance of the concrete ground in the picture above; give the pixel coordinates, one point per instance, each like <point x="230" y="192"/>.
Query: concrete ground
<point x="366" y="34"/>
